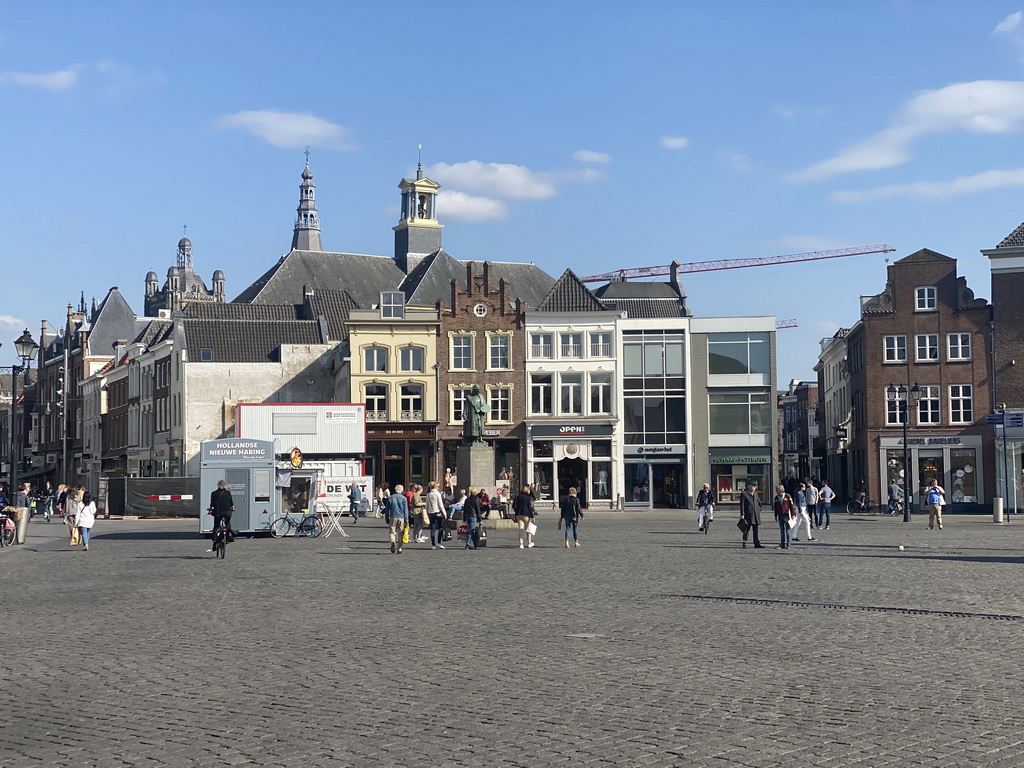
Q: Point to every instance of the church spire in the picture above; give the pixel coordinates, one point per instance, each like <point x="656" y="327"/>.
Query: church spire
<point x="307" y="224"/>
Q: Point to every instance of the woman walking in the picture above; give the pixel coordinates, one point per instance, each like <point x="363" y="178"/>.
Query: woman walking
<point x="72" y="506"/>
<point x="785" y="512"/>
<point x="572" y="513"/>
<point x="86" y="519"/>
<point x="418" y="512"/>
<point x="524" y="514"/>
<point x="471" y="517"/>
<point x="438" y="519"/>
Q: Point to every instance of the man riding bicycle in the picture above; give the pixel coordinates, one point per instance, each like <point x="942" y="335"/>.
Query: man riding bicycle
<point x="895" y="498"/>
<point x="221" y="507"/>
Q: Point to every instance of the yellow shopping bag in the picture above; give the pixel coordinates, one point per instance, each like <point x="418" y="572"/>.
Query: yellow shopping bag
<point x="405" y="535"/>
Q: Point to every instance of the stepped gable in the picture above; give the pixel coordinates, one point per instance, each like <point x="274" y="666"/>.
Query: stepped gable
<point x="569" y="294"/>
<point x="643" y="300"/>
<point x="360" y="275"/>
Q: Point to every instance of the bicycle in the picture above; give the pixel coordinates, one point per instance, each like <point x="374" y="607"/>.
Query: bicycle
<point x="309" y="525"/>
<point x="895" y="507"/>
<point x="8" y="530"/>
<point x="221" y="539"/>
<point x="863" y="506"/>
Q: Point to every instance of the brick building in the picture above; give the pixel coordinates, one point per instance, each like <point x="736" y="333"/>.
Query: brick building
<point x="928" y="333"/>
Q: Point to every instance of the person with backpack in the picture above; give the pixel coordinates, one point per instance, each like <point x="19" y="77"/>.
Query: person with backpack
<point x="86" y="519"/>
<point x="785" y="512"/>
<point x="572" y="513"/>
<point x="355" y="498"/>
<point x="935" y="495"/>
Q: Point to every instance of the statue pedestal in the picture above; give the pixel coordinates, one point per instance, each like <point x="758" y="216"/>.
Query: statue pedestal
<point x="475" y="467"/>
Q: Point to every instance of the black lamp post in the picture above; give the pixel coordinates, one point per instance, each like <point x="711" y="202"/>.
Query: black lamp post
<point x="26" y="348"/>
<point x="900" y="395"/>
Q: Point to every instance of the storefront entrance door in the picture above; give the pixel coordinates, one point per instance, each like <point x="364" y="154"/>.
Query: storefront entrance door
<point x="666" y="485"/>
<point x="572" y="473"/>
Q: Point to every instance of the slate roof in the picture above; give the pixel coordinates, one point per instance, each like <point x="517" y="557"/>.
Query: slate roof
<point x="1013" y="240"/>
<point x="637" y="299"/>
<point x="113" y="321"/>
<point x="431" y="280"/>
<point x="246" y="341"/>
<point x="218" y="311"/>
<point x="334" y="307"/>
<point x="526" y="281"/>
<point x="155" y="331"/>
<point x="568" y="294"/>
<point x="359" y="274"/>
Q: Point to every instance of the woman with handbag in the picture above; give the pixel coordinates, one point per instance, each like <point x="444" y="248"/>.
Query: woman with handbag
<point x="785" y="513"/>
<point x="72" y="506"/>
<point x="524" y="514"/>
<point x="572" y="513"/>
<point x="418" y="514"/>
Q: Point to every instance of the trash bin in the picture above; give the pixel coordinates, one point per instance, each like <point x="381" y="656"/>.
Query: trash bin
<point x="22" y="516"/>
<point x="997" y="510"/>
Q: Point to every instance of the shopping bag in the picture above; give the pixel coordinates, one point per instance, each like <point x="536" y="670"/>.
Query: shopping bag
<point x="794" y="521"/>
<point x="405" y="535"/>
<point x="463" y="532"/>
<point x="76" y="537"/>
<point x="531" y="528"/>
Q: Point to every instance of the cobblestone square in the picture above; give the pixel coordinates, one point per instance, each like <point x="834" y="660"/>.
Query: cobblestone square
<point x="651" y="645"/>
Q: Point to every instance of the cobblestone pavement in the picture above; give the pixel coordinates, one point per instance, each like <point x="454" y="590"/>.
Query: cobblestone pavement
<point x="145" y="651"/>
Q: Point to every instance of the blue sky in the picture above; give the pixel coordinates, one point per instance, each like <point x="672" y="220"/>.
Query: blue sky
<point x="586" y="135"/>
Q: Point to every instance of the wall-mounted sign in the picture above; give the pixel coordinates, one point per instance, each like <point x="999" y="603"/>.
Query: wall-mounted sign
<point x="741" y="459"/>
<point x="572" y="430"/>
<point x="654" y="450"/>
<point x="341" y="417"/>
<point x="295" y="458"/>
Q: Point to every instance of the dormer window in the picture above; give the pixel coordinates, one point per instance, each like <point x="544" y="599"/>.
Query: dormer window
<point x="392" y="305"/>
<point x="927" y="299"/>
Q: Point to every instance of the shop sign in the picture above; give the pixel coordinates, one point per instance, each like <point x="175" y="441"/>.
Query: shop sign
<point x="341" y="417"/>
<point x="655" y="450"/>
<point x="741" y="460"/>
<point x="235" y="449"/>
<point x="572" y="430"/>
<point x="932" y="441"/>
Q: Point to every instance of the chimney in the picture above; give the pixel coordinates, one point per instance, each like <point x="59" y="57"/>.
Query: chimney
<point x="470" y="273"/>
<point x="487" y="278"/>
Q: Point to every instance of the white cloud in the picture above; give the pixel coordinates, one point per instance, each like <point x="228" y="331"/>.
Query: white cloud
<point x="290" y="130"/>
<point x="935" y="190"/>
<point x="10" y="324"/>
<point x="587" y="156"/>
<point x="1008" y="25"/>
<point x="982" y="106"/>
<point x="452" y="204"/>
<point x="675" y="142"/>
<point x="52" y="81"/>
<point x="740" y="162"/>
<point x="504" y="180"/>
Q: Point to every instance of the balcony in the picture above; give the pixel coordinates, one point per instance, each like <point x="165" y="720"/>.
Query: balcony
<point x="376" y="415"/>
<point x="411" y="416"/>
<point x="540" y="350"/>
<point x="572" y="350"/>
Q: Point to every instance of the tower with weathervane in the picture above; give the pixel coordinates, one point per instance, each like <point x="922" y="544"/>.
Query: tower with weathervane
<point x="418" y="233"/>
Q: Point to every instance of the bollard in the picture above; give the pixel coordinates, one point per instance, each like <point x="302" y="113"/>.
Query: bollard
<point x="997" y="509"/>
<point x="23" y="517"/>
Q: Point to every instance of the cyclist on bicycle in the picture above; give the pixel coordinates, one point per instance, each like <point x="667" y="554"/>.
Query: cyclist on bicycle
<point x="221" y="507"/>
<point x="895" y="497"/>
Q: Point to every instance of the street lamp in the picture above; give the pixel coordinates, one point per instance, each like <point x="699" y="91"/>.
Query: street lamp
<point x="899" y="395"/>
<point x="26" y="349"/>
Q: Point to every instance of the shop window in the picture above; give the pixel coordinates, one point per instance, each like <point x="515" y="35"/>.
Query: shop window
<point x="638" y="482"/>
<point x="602" y="479"/>
<point x="601" y="448"/>
<point x="543" y="449"/>
<point x="962" y="464"/>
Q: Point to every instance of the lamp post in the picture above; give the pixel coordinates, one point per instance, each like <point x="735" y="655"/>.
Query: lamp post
<point x="899" y="394"/>
<point x="26" y="348"/>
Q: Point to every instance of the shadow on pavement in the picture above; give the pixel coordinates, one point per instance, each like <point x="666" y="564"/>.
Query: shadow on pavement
<point x="148" y="536"/>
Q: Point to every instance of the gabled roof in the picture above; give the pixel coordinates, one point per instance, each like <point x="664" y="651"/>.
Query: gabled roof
<point x="431" y="279"/>
<point x="1013" y="240"/>
<point x="361" y="275"/>
<point x="156" y="330"/>
<point x="526" y="281"/>
<point x="217" y="311"/>
<point x="246" y="341"/>
<point x="334" y="307"/>
<point x="925" y="254"/>
<point x="638" y="299"/>
<point x="568" y="294"/>
<point x="114" y="321"/>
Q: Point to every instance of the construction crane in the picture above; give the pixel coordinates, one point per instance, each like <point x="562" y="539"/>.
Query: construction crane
<point x="786" y="323"/>
<point x="621" y="275"/>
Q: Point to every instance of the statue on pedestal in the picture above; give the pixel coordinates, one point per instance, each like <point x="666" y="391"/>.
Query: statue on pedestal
<point x="474" y="411"/>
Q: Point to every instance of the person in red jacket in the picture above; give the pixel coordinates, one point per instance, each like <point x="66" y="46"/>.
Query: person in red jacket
<point x="785" y="512"/>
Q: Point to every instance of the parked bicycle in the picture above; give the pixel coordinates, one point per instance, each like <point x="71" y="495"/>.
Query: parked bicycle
<point x="307" y="525"/>
<point x="8" y="530"/>
<point x="896" y="507"/>
<point x="863" y="506"/>
<point x="221" y="538"/>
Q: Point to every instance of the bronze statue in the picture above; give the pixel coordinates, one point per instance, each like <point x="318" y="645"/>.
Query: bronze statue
<point x="474" y="411"/>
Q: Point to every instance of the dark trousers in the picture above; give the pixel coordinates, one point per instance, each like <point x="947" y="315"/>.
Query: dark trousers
<point x="752" y="529"/>
<point x="812" y="512"/>
<point x="353" y="510"/>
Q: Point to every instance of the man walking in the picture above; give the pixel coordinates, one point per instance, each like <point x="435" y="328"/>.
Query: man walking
<point x="811" y="500"/>
<point x="705" y="506"/>
<point x="825" y="497"/>
<point x="750" y="510"/>
<point x="355" y="498"/>
<point x="398" y="516"/>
